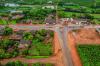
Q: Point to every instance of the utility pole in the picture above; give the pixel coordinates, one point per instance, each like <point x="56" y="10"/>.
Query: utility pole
<point x="57" y="19"/>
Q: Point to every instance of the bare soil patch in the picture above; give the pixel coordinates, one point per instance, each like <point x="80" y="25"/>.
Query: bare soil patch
<point x="87" y="36"/>
<point x="82" y="36"/>
<point x="57" y="51"/>
<point x="72" y="47"/>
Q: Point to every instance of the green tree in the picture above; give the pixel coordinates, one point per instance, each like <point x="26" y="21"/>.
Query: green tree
<point x="37" y="64"/>
<point x="42" y="32"/>
<point x="17" y="63"/>
<point x="25" y="52"/>
<point x="8" y="31"/>
<point x="5" y="44"/>
<point x="28" y="36"/>
<point x="39" y="37"/>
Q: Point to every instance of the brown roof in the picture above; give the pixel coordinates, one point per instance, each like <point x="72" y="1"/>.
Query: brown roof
<point x="1" y="37"/>
<point x="50" y="20"/>
<point x="16" y="37"/>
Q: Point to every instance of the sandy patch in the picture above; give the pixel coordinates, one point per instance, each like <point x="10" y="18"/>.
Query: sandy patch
<point x="87" y="36"/>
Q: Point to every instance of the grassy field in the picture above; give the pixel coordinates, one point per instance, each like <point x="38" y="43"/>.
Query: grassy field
<point x="82" y="2"/>
<point x="3" y="22"/>
<point x="89" y="54"/>
<point x="36" y="57"/>
<point x="69" y="14"/>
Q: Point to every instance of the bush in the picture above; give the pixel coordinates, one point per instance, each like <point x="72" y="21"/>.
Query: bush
<point x="17" y="63"/>
<point x="42" y="64"/>
<point x="5" y="55"/>
<point x="8" y="31"/>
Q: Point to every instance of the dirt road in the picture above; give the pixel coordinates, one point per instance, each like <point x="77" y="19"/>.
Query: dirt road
<point x="55" y="59"/>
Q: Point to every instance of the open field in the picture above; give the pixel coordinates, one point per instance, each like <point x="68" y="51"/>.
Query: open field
<point x="88" y="46"/>
<point x="84" y="47"/>
<point x="69" y="14"/>
<point x="87" y="36"/>
<point x="82" y="2"/>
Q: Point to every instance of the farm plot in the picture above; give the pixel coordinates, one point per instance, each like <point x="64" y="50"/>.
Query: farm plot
<point x="89" y="54"/>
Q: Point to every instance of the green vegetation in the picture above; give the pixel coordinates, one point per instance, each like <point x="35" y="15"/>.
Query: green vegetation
<point x="4" y="46"/>
<point x="37" y="14"/>
<point x="24" y="14"/>
<point x="96" y="21"/>
<point x="80" y="9"/>
<point x="3" y="22"/>
<point x="89" y="3"/>
<point x="7" y="31"/>
<point x="40" y="49"/>
<point x="89" y="54"/>
<point x="29" y="2"/>
<point x="35" y="44"/>
<point x="18" y="63"/>
<point x="70" y="14"/>
<point x="41" y="64"/>
<point x="36" y="57"/>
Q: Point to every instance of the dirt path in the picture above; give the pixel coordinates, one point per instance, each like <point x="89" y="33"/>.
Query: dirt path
<point x="58" y="51"/>
<point x="55" y="59"/>
<point x="72" y="46"/>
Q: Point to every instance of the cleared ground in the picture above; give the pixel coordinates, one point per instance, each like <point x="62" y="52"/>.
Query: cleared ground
<point x="87" y="36"/>
<point x="87" y="52"/>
